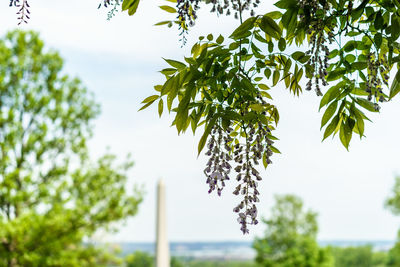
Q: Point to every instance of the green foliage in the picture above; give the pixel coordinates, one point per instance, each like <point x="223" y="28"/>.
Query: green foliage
<point x="51" y="195"/>
<point x="218" y="87"/>
<point x="393" y="204"/>
<point x="362" y="256"/>
<point x="143" y="259"/>
<point x="139" y="259"/>
<point x="216" y="263"/>
<point x="393" y="258"/>
<point x="290" y="237"/>
<point x="349" y="47"/>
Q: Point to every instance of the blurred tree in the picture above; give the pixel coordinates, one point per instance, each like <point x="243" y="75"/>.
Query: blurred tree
<point x="393" y="204"/>
<point x="52" y="196"/>
<point x="361" y="256"/>
<point x="394" y="253"/>
<point x="139" y="259"/>
<point x="290" y="237"/>
<point x="144" y="259"/>
<point x="379" y="258"/>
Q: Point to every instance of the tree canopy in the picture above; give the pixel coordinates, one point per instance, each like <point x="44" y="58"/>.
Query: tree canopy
<point x="290" y="237"/>
<point x="344" y="50"/>
<point x="52" y="195"/>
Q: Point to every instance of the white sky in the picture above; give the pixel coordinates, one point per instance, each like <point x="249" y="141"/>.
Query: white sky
<point x="119" y="61"/>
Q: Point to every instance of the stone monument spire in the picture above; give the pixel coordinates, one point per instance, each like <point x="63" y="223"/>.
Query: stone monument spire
<point x="162" y="247"/>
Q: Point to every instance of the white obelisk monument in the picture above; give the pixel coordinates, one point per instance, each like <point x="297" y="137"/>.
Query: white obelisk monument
<point x="162" y="247"/>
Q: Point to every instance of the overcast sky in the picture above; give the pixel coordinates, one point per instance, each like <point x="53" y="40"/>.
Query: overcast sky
<point x="119" y="61"/>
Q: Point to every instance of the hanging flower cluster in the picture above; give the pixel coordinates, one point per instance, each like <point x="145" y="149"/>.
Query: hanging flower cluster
<point x="319" y="51"/>
<point x="374" y="84"/>
<point x="234" y="6"/>
<point x="245" y="157"/>
<point x="110" y="3"/>
<point x="23" y="10"/>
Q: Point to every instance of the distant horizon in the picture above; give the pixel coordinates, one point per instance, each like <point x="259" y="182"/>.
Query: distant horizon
<point x="250" y="241"/>
<point x="239" y="250"/>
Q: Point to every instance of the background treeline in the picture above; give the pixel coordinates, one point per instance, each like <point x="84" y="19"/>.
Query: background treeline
<point x="361" y="256"/>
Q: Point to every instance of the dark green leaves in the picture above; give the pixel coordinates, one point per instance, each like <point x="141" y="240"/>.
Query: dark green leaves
<point x="276" y="76"/>
<point x="395" y="27"/>
<point x="206" y="133"/>
<point x="366" y="104"/>
<point x="130" y="5"/>
<point x="176" y="64"/>
<point x="160" y="107"/>
<point x="300" y="57"/>
<point x="269" y="26"/>
<point x="329" y="112"/>
<point x="346" y="131"/>
<point x="244" y="29"/>
<point x="350" y="46"/>
<point x="282" y="44"/>
<point x="331" y="127"/>
<point x="331" y="94"/>
<point x="395" y="88"/>
<point x="378" y="39"/>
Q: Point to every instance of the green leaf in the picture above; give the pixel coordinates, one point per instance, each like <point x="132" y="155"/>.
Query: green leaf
<point x="175" y="64"/>
<point x="275" y="77"/>
<point x="366" y="104"/>
<point x="288" y="64"/>
<point x="350" y="58"/>
<point x="162" y="23"/>
<point x="131" y="6"/>
<point x="282" y="44"/>
<point x="206" y="133"/>
<point x="359" y="65"/>
<point x="289" y="20"/>
<point x="395" y="27"/>
<point x="220" y="39"/>
<point x="160" y="107"/>
<point x="346" y="131"/>
<point x="210" y="37"/>
<point x="300" y="57"/>
<point x="150" y="99"/>
<point x="285" y="4"/>
<point x="275" y="115"/>
<point x="146" y="105"/>
<point x="336" y="74"/>
<point x="395" y="88"/>
<point x="331" y="127"/>
<point x="168" y="71"/>
<point x="378" y="39"/>
<point x="265" y="163"/>
<point x="168" y="85"/>
<point x="269" y="26"/>
<point x="378" y="22"/>
<point x="274" y="14"/>
<point x="257" y="107"/>
<point x="242" y="30"/>
<point x="329" y="113"/>
<point x="263" y="86"/>
<point x="359" y="120"/>
<point x="168" y="9"/>
<point x="350" y="46"/>
<point x="331" y="94"/>
<point x="274" y="149"/>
